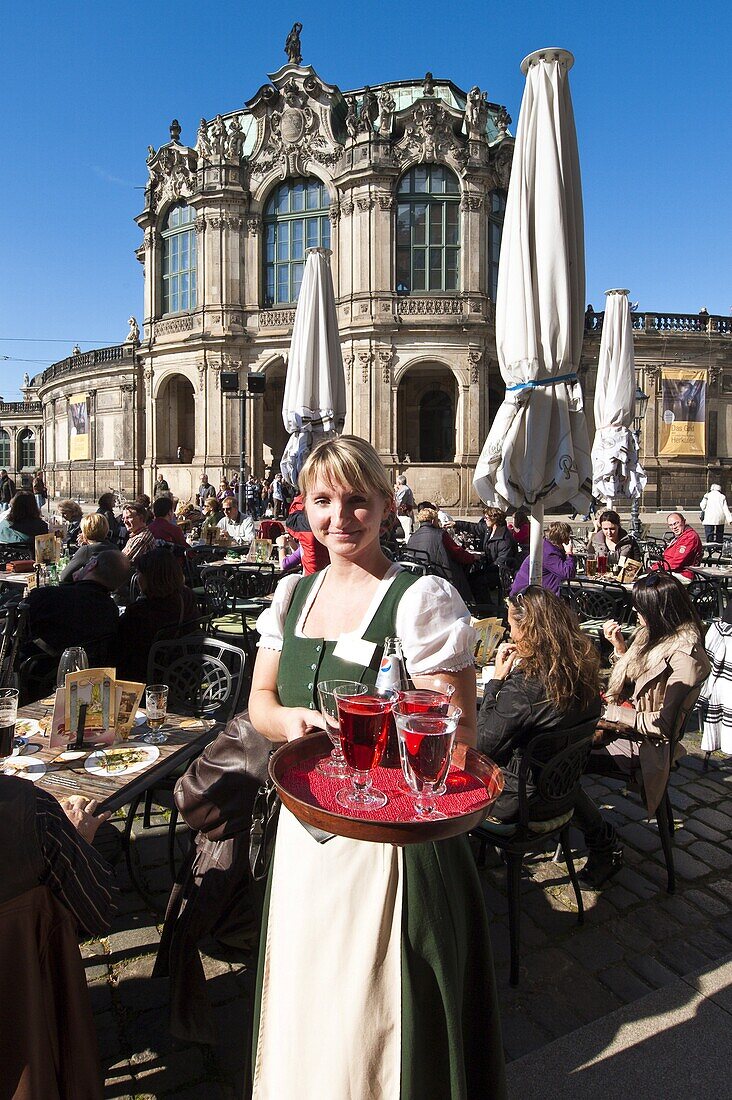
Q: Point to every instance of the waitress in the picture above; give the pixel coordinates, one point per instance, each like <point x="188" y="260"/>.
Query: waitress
<point x="375" y="974"/>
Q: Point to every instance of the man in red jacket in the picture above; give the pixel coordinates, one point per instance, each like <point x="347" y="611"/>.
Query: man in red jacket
<point x="686" y="547"/>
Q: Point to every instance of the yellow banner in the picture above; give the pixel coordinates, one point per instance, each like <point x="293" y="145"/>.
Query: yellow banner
<point x="78" y="427"/>
<point x="683" y="418"/>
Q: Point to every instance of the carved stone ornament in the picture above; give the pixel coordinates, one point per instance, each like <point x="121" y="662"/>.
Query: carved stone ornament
<point x="715" y="373"/>
<point x="385" y="358"/>
<point x="201" y="377"/>
<point x="346" y="207"/>
<point x="200" y="224"/>
<point x="218" y="142"/>
<point x="215" y="367"/>
<point x="475" y="356"/>
<point x="501" y="164"/>
<point x="385" y="200"/>
<point x="172" y="175"/>
<point x="225" y="221"/>
<point x="503" y="121"/>
<point x="471" y="202"/>
<point x="147" y="375"/>
<point x="254" y="225"/>
<point x="294" y="125"/>
<point x="334" y="213"/>
<point x="476" y="114"/>
<point x="364" y="358"/>
<point x="365" y="203"/>
<point x="387" y="106"/>
<point x="430" y="136"/>
<point x="348" y="360"/>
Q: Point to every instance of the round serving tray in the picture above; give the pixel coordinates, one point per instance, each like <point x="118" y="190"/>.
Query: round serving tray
<point x="296" y="758"/>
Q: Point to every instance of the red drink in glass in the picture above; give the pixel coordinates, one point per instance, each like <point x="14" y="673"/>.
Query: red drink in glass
<point x="602" y="564"/>
<point x="428" y="752"/>
<point x="364" y="729"/>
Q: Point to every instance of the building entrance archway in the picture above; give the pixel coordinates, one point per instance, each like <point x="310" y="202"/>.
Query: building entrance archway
<point x="427" y="414"/>
<point x="175" y="420"/>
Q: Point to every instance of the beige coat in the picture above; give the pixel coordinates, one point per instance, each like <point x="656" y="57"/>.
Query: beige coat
<point x="663" y="685"/>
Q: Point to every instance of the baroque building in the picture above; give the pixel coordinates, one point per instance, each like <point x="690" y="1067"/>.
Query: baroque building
<point x="405" y="183"/>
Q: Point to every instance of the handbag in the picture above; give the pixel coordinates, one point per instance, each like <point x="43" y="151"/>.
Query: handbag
<point x="264" y="829"/>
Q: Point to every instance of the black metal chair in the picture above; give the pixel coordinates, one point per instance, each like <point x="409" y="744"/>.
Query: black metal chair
<point x="596" y="600"/>
<point x="218" y="589"/>
<point x="554" y="763"/>
<point x="707" y="598"/>
<point x="205" y="678"/>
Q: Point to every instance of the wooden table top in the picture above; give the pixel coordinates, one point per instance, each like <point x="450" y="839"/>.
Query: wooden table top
<point x="186" y="738"/>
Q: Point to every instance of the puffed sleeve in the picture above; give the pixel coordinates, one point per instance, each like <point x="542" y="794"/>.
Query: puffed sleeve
<point x="271" y="623"/>
<point x="434" y="626"/>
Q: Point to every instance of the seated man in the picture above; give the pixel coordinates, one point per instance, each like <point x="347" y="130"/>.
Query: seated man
<point x="237" y="525"/>
<point x="80" y="613"/>
<point x="162" y="527"/>
<point x="54" y="888"/>
<point x="685" y="548"/>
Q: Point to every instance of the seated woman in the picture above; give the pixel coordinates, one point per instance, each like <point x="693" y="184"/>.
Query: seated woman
<point x="558" y="562"/>
<point x="93" y="537"/>
<point x="72" y="515"/>
<point x="212" y="514"/>
<point x="23" y="522"/>
<point x="398" y="996"/>
<point x="653" y="686"/>
<point x="443" y="550"/>
<point x="520" y="528"/>
<point x="715" y="698"/>
<point x="546" y="681"/>
<point x="611" y="539"/>
<point x="165" y="601"/>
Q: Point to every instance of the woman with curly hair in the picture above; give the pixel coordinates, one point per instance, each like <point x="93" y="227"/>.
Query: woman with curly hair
<point x="546" y="681"/>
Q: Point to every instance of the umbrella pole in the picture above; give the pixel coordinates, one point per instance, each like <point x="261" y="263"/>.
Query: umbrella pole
<point x="536" y="544"/>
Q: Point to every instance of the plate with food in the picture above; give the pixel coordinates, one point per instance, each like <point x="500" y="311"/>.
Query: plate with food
<point x="24" y="767"/>
<point x="28" y="727"/>
<point x="122" y="760"/>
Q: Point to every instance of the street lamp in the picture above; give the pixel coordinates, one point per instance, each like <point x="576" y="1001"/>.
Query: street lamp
<point x="639" y="414"/>
<point x="230" y="387"/>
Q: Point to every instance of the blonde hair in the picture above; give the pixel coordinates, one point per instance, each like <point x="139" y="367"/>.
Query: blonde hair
<point x="558" y="533"/>
<point x="95" y="528"/>
<point x="428" y="515"/>
<point x="347" y="460"/>
<point x="70" y="510"/>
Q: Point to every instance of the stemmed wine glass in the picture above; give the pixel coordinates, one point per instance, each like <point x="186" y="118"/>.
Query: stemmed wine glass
<point x="156" y="708"/>
<point x="425" y="745"/>
<point x="73" y="659"/>
<point x="335" y="766"/>
<point x="364" y="730"/>
<point x="422" y="701"/>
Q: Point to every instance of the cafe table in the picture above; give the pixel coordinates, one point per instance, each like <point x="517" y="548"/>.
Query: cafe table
<point x="186" y="738"/>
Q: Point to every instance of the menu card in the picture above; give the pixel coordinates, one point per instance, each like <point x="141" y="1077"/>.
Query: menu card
<point x="490" y="632"/>
<point x="111" y="706"/>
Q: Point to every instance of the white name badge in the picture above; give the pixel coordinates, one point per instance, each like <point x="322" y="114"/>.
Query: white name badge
<point x="355" y="650"/>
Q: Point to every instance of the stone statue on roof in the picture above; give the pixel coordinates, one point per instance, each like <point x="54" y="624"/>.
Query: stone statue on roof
<point x="387" y="104"/>
<point x="292" y="45"/>
<point x="476" y="111"/>
<point x="429" y="84"/>
<point x="133" y="336"/>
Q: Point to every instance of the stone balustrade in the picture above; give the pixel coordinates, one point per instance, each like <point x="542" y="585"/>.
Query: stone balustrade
<point x="676" y="323"/>
<point x="20" y="408"/>
<point x="87" y="360"/>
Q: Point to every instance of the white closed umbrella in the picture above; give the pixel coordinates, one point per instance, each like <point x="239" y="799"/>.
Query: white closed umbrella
<point x="314" y="405"/>
<point x="537" y="452"/>
<point x="616" y="469"/>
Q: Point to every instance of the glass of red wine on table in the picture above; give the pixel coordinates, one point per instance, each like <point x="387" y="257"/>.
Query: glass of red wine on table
<point x="426" y="741"/>
<point x="335" y="766"/>
<point x="364" y="729"/>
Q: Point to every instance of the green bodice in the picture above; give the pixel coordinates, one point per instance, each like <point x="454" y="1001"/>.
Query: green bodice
<point x="306" y="662"/>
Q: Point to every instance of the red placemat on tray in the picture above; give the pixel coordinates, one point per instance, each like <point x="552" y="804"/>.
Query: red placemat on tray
<point x="465" y="793"/>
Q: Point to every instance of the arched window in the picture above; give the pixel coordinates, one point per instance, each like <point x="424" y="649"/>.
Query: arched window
<point x="26" y="449"/>
<point x="179" y="259"/>
<point x="428" y="230"/>
<point x="496" y="214"/>
<point x="4" y="448"/>
<point x="295" y="218"/>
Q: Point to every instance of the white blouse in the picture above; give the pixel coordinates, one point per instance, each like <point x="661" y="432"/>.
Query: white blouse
<point x="432" y="622"/>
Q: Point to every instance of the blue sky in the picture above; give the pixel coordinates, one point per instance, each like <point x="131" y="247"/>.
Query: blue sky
<point x="88" y="86"/>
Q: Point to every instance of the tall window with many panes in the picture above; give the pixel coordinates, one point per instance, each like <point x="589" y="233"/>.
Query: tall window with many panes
<point x="179" y="259"/>
<point x="428" y="230"/>
<point x="4" y="448"/>
<point x="295" y="219"/>
<point x="26" y="449"/>
<point x="496" y="214"/>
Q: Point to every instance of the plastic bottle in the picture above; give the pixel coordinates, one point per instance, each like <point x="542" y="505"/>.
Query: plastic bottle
<point x="391" y="674"/>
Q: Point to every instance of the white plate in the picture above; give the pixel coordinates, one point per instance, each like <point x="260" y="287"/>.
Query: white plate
<point x="28" y="727"/>
<point x="140" y="718"/>
<point x="97" y="763"/>
<point x="23" y="767"/>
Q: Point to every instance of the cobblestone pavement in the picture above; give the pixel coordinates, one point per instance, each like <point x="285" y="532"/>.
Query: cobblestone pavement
<point x="636" y="938"/>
